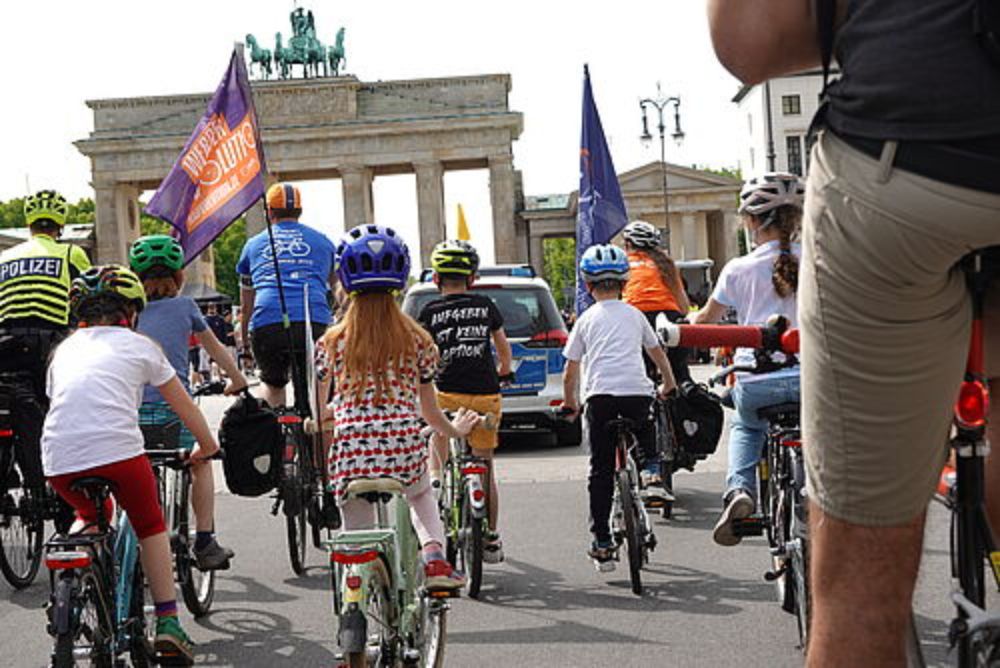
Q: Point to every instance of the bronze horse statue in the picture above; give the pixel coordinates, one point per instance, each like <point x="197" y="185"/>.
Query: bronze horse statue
<point x="303" y="50"/>
<point x="336" y="55"/>
<point x="260" y="57"/>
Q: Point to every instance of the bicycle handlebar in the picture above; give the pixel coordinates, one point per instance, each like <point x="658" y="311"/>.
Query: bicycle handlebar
<point x="721" y="376"/>
<point x="205" y="389"/>
<point x="773" y="337"/>
<point x="176" y="458"/>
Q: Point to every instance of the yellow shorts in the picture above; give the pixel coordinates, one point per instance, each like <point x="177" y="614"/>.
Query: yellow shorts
<point x="480" y="438"/>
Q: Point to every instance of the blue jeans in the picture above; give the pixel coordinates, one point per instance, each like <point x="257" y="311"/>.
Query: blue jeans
<point x="747" y="431"/>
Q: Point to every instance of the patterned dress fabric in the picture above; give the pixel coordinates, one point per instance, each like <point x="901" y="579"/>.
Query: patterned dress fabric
<point x="377" y="438"/>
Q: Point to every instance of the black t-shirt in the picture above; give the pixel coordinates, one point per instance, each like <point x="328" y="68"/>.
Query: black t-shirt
<point x="462" y="326"/>
<point x="218" y="326"/>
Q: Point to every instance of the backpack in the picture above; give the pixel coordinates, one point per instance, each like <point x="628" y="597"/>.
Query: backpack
<point x="695" y="419"/>
<point x="251" y="437"/>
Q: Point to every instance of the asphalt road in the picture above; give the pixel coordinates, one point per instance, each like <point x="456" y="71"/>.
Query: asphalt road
<point x="544" y="606"/>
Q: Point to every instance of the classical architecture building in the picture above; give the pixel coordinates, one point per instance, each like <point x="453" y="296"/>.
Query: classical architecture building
<point x="778" y="114"/>
<point x="703" y="220"/>
<point x="329" y="128"/>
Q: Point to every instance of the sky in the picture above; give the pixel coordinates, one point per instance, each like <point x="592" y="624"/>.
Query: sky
<point x="72" y="51"/>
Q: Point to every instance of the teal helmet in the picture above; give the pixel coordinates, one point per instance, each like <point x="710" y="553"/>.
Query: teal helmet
<point x="108" y="280"/>
<point x="153" y="250"/>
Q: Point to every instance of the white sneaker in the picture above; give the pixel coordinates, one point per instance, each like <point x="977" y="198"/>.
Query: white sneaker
<point x="739" y="505"/>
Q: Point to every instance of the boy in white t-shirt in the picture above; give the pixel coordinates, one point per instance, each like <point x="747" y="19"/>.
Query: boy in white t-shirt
<point x="95" y="383"/>
<point x="609" y="339"/>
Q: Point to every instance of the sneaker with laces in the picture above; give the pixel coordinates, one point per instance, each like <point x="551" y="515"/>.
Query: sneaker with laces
<point x="440" y="576"/>
<point x="738" y="505"/>
<point x="650" y="477"/>
<point x="173" y="646"/>
<point x="213" y="557"/>
<point x="603" y="554"/>
<point x="492" y="548"/>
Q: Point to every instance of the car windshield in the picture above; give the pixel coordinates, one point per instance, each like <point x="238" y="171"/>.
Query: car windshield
<point x="527" y="311"/>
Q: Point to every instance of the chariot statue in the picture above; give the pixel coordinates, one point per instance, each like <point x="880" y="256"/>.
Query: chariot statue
<point x="303" y="48"/>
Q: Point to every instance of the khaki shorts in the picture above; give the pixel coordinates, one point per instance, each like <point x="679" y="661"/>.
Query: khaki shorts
<point x="885" y="318"/>
<point x="480" y="438"/>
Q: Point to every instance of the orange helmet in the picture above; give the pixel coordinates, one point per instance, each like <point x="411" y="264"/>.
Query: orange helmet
<point x="284" y="196"/>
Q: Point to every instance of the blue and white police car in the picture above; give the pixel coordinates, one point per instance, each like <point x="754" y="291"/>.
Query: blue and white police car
<point x="537" y="335"/>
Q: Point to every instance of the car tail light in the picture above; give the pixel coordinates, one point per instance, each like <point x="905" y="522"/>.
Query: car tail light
<point x="354" y="557"/>
<point x="973" y="404"/>
<point x="550" y="338"/>
<point x="353" y="581"/>
<point x="6" y="433"/>
<point x="58" y="561"/>
<point x="555" y="403"/>
<point x="474" y="470"/>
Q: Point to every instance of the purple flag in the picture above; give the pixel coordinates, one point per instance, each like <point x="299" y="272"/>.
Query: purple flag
<point x="220" y="172"/>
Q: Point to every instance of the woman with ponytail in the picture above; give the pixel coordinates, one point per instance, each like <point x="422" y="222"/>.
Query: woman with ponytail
<point x="757" y="286"/>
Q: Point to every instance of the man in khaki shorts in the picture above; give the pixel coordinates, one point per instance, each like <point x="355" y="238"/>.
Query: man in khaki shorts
<point x="904" y="182"/>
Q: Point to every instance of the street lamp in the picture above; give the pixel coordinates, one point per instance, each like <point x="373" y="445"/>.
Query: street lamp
<point x="660" y="103"/>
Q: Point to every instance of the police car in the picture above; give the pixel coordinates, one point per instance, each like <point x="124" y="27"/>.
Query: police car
<point x="537" y="335"/>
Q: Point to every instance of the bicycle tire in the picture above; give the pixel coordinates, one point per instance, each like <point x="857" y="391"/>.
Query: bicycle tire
<point x="633" y="540"/>
<point x="294" y="501"/>
<point x="143" y="623"/>
<point x="197" y="586"/>
<point x="472" y="548"/>
<point x="96" y="630"/>
<point x="21" y="541"/>
<point x="448" y="514"/>
<point x="434" y="633"/>
<point x="295" y="529"/>
<point x="378" y="607"/>
<point x="800" y="554"/>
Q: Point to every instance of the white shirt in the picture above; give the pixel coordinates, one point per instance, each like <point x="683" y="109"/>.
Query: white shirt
<point x="95" y="386"/>
<point x="609" y="339"/>
<point x="745" y="284"/>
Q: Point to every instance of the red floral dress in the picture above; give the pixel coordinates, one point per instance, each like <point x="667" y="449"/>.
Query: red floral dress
<point x="377" y="438"/>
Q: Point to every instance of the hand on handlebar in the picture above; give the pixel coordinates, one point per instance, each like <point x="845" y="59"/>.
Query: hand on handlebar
<point x="465" y="421"/>
<point x="201" y="454"/>
<point x="569" y="409"/>
<point x="507" y="380"/>
<point x="234" y="387"/>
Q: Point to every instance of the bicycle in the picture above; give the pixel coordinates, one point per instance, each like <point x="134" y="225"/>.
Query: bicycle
<point x="782" y="516"/>
<point x="100" y="607"/>
<point x="174" y="484"/>
<point x="23" y="510"/>
<point x="377" y="577"/>
<point x="465" y="508"/>
<point x="630" y="524"/>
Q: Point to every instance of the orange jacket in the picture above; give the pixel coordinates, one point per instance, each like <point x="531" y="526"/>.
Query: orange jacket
<point x="645" y="289"/>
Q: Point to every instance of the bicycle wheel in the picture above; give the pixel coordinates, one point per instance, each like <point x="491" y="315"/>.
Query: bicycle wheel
<point x="633" y="540"/>
<point x="88" y="633"/>
<point x="800" y="555"/>
<point x="449" y="494"/>
<point x="294" y="503"/>
<point x="295" y="529"/>
<point x="378" y="608"/>
<point x="433" y="632"/>
<point x="142" y="621"/>
<point x="472" y="548"/>
<point x="21" y="537"/>
<point x="197" y="586"/>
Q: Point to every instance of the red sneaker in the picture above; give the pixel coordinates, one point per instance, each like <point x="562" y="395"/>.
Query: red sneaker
<point x="440" y="576"/>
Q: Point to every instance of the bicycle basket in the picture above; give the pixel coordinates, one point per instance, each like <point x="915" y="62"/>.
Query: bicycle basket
<point x="161" y="436"/>
<point x="696" y="419"/>
<point x="251" y="436"/>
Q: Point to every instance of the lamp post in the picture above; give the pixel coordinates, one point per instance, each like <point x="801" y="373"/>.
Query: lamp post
<point x="660" y="103"/>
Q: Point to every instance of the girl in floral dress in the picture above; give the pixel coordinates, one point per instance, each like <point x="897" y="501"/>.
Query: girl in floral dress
<point x="380" y="364"/>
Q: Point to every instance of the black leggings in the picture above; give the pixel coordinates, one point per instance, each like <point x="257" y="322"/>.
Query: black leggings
<point x="600" y="410"/>
<point x="678" y="357"/>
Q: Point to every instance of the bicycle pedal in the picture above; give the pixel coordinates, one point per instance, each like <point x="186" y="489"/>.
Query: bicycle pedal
<point x="749" y="526"/>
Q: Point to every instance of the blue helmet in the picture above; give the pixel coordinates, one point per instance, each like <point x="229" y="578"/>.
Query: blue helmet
<point x="603" y="262"/>
<point x="372" y="258"/>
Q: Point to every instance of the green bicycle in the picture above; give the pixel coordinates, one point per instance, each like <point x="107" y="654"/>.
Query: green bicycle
<point x="386" y="616"/>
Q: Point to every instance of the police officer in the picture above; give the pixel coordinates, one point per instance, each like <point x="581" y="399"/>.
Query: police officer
<point x="35" y="277"/>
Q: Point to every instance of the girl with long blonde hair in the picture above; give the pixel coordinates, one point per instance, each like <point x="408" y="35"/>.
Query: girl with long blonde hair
<point x="377" y="365"/>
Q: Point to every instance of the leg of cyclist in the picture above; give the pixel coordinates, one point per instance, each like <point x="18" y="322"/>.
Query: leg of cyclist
<point x="426" y="518"/>
<point x="599" y="410"/>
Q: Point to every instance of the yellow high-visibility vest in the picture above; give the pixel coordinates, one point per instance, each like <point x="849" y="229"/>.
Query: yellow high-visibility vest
<point x="35" y="277"/>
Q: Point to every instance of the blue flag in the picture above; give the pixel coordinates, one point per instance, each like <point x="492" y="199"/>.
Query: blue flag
<point x="220" y="173"/>
<point x="601" y="210"/>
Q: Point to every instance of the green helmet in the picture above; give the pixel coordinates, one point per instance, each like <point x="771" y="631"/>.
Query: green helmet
<point x="107" y="280"/>
<point x="455" y="258"/>
<point x="46" y="204"/>
<point x="155" y="249"/>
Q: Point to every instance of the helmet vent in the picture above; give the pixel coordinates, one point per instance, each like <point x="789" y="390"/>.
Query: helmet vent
<point x="366" y="262"/>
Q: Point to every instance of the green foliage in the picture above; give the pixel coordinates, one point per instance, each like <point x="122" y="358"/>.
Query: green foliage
<point x="12" y="212"/>
<point x="560" y="268"/>
<point x="227" y="248"/>
<point x="729" y="172"/>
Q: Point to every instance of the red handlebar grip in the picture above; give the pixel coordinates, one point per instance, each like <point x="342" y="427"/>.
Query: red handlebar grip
<point x="713" y="336"/>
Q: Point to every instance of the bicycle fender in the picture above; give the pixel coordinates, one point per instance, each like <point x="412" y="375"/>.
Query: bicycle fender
<point x="60" y="613"/>
<point x="352" y="633"/>
<point x="473" y="484"/>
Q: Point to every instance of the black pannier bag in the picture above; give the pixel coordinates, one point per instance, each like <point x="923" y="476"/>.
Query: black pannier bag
<point x="251" y="437"/>
<point x="695" y="419"/>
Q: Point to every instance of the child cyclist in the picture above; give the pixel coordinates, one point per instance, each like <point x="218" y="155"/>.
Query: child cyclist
<point x="99" y="372"/>
<point x="758" y="285"/>
<point x="609" y="339"/>
<point x="380" y="363"/>
<point x="463" y="324"/>
<point x="171" y="319"/>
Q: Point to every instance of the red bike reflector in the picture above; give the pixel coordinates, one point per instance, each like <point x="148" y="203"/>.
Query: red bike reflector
<point x="478" y="495"/>
<point x="354" y="557"/>
<point x="790" y="342"/>
<point x="289" y="419"/>
<point x="353" y="581"/>
<point x="58" y="561"/>
<point x="973" y="404"/>
<point x="6" y="433"/>
<point x="789" y="443"/>
<point x="474" y="470"/>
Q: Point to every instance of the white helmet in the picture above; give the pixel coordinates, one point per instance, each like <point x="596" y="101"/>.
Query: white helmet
<point x="641" y="234"/>
<point x="770" y="191"/>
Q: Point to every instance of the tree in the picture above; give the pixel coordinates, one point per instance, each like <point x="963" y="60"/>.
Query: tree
<point x="12" y="212"/>
<point x="729" y="172"/>
<point x="559" y="265"/>
<point x="227" y="249"/>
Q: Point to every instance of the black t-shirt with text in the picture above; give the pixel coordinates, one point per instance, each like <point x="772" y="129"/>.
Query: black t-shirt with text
<point x="462" y="326"/>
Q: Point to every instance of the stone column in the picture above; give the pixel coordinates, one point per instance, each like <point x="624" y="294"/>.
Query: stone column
<point x="730" y="228"/>
<point x="430" y="207"/>
<point x="358" y="205"/>
<point x="502" y="201"/>
<point x="536" y="253"/>
<point x="117" y="220"/>
<point x="689" y="231"/>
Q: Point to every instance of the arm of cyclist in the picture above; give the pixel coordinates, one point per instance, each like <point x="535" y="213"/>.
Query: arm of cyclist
<point x="237" y="381"/>
<point x="247" y="299"/>
<point x="667" y="384"/>
<point x="504" y="353"/>
<point x="463" y="422"/>
<point x="683" y="303"/>
<point x="571" y="379"/>
<point x="188" y="412"/>
<point x="712" y="312"/>
<point x="759" y="40"/>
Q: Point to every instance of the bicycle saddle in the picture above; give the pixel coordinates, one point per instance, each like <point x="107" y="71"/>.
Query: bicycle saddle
<point x="377" y="486"/>
<point x="779" y="412"/>
<point x="93" y="486"/>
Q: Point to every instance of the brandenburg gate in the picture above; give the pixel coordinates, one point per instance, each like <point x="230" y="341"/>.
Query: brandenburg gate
<point x="325" y="128"/>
